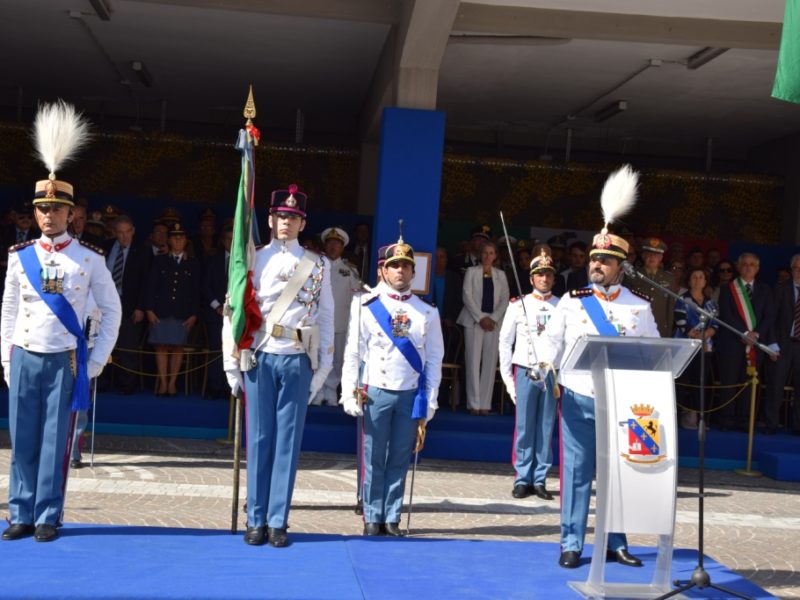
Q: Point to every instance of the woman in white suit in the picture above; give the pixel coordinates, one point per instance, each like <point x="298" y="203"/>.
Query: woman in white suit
<point x="485" y="294"/>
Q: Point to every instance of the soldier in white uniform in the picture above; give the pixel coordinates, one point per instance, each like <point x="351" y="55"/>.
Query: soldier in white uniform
<point x="290" y="365"/>
<point x="535" y="398"/>
<point x="46" y="362"/>
<point x="604" y="308"/>
<point x="400" y="339"/>
<point x="344" y="284"/>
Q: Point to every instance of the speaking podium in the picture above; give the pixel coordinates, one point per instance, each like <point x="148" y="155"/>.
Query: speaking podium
<point x="637" y="451"/>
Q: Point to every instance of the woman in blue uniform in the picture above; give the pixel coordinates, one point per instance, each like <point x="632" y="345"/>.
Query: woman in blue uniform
<point x="173" y="287"/>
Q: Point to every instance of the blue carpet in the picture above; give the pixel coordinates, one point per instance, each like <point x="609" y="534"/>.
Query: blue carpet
<point x="115" y="562"/>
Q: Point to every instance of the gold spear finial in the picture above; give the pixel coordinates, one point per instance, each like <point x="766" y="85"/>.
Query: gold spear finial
<point x="250" y="107"/>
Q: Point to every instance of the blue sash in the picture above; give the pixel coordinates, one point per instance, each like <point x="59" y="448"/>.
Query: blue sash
<point x="407" y="349"/>
<point x="598" y="317"/>
<point x="66" y="314"/>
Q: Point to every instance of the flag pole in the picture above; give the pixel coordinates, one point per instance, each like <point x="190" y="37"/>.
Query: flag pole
<point x="240" y="284"/>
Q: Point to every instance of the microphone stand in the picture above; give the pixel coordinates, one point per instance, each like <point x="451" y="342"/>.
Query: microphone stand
<point x="700" y="577"/>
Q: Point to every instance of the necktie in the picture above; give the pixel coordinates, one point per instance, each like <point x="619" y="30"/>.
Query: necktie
<point x="119" y="268"/>
<point x="20" y="236"/>
<point x="796" y="322"/>
<point x="749" y="288"/>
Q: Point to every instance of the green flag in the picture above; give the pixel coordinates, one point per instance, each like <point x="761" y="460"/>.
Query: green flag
<point x="787" y="76"/>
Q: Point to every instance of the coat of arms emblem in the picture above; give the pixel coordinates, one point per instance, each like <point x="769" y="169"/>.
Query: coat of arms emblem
<point x="644" y="436"/>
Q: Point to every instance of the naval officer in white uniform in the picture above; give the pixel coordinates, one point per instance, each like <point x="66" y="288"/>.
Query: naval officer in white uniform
<point x="345" y="283"/>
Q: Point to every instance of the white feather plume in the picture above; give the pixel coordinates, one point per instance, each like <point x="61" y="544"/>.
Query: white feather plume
<point x="59" y="132"/>
<point x="619" y="193"/>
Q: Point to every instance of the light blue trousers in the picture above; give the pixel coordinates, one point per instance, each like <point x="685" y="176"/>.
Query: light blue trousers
<point x="277" y="399"/>
<point x="578" y="457"/>
<point x="39" y="402"/>
<point x="535" y="418"/>
<point x="389" y="438"/>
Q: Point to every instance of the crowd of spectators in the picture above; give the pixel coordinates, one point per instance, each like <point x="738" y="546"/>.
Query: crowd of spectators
<point x="172" y="286"/>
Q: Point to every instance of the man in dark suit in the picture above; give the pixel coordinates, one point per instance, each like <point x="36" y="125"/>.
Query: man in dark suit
<point x="77" y="226"/>
<point x="128" y="265"/>
<point x="446" y="289"/>
<point x="577" y="276"/>
<point x="746" y="305"/>
<point x="472" y="257"/>
<point x="21" y="230"/>
<point x="786" y="334"/>
<point x="215" y="286"/>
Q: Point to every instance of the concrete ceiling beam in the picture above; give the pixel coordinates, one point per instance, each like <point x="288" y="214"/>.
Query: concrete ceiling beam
<point x="514" y="20"/>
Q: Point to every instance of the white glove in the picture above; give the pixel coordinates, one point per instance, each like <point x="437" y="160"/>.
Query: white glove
<point x="351" y="406"/>
<point x="94" y="369"/>
<point x="511" y="388"/>
<point x="317" y="381"/>
<point x="235" y="380"/>
<point x="431" y="412"/>
<point x="7" y="372"/>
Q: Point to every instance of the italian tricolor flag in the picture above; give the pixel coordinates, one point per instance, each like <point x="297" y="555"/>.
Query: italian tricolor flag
<point x="245" y="313"/>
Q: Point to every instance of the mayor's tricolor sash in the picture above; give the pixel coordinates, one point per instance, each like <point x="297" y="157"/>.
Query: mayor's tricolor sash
<point x="408" y="350"/>
<point x="744" y="306"/>
<point x="592" y="306"/>
<point x="66" y="314"/>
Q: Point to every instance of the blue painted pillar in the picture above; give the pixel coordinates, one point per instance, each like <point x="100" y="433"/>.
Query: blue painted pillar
<point x="409" y="179"/>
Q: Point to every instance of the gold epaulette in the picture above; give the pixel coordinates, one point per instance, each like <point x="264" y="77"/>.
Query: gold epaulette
<point x="20" y="246"/>
<point x="92" y="247"/>
<point x="581" y="292"/>
<point x="641" y="295"/>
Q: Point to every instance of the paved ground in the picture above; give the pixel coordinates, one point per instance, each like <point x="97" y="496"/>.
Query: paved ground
<point x="752" y="524"/>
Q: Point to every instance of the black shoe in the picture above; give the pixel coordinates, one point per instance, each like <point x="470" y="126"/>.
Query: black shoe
<point x="255" y="536"/>
<point x="45" y="533"/>
<point x="75" y="463"/>
<point x="569" y="559"/>
<point x="372" y="529"/>
<point x="623" y="557"/>
<point x="17" y="531"/>
<point x="277" y="537"/>
<point x="393" y="529"/>
<point x="542" y="492"/>
<point x="521" y="490"/>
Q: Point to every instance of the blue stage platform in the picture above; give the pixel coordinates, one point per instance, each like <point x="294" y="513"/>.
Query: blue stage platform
<point x="110" y="562"/>
<point x="452" y="435"/>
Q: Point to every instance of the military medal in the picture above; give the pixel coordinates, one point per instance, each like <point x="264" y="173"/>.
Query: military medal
<point x="52" y="278"/>
<point x="400" y="324"/>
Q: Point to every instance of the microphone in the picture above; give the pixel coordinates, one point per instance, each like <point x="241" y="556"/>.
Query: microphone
<point x="629" y="269"/>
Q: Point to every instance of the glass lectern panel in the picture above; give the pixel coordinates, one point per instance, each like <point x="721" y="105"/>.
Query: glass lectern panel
<point x="629" y="353"/>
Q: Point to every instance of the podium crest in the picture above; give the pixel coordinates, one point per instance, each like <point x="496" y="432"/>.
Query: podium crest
<point x="644" y="436"/>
